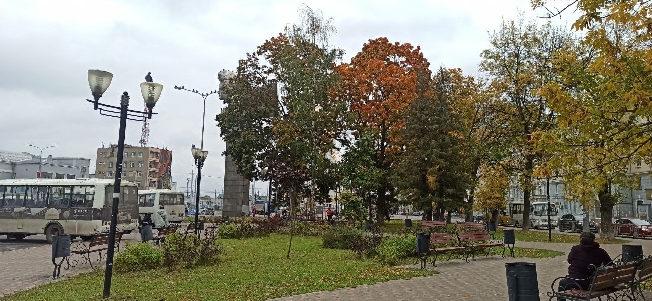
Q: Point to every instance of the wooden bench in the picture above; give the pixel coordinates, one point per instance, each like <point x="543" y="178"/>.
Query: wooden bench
<point x="98" y="243"/>
<point x="469" y="226"/>
<point x="434" y="226"/>
<point x="643" y="273"/>
<point x="441" y="243"/>
<point x="164" y="232"/>
<point x="475" y="240"/>
<point x="614" y="281"/>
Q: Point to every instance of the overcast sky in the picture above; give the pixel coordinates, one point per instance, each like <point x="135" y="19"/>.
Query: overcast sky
<point x="48" y="46"/>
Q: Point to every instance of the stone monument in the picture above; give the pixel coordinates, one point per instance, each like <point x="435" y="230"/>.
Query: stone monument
<point x="236" y="187"/>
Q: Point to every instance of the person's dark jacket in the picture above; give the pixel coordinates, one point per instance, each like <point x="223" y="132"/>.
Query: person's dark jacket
<point x="146" y="221"/>
<point x="581" y="257"/>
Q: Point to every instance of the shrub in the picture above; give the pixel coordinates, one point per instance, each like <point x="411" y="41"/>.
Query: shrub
<point x="367" y="244"/>
<point x="341" y="238"/>
<point x="227" y="231"/>
<point x="391" y="250"/>
<point x="187" y="250"/>
<point x="138" y="257"/>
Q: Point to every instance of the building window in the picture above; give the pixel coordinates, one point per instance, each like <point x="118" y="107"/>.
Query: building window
<point x="110" y="164"/>
<point x="638" y="164"/>
<point x="126" y="154"/>
<point x="140" y="163"/>
<point x="131" y="174"/>
<point x="139" y="174"/>
<point x="124" y="164"/>
<point x="133" y="154"/>
<point x="109" y="174"/>
<point x="124" y="174"/>
<point x="138" y="184"/>
<point x="132" y="164"/>
<point x="100" y="163"/>
<point x="140" y="154"/>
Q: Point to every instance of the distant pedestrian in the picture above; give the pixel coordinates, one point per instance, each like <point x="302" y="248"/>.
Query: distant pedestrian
<point x="329" y="214"/>
<point x="146" y="228"/>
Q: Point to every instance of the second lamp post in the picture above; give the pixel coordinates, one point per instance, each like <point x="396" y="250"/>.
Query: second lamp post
<point x="200" y="156"/>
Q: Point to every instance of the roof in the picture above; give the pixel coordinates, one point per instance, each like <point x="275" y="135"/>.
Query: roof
<point x="80" y="181"/>
<point x="8" y="156"/>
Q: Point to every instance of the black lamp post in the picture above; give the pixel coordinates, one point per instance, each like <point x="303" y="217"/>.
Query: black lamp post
<point x="204" y="96"/>
<point x="200" y="156"/>
<point x="99" y="82"/>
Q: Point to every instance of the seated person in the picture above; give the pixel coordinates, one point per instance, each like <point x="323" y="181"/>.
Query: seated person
<point x="580" y="258"/>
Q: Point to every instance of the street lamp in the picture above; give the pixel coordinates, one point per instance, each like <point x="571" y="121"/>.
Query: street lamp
<point x="204" y="96"/>
<point x="99" y="82"/>
<point x="200" y="156"/>
<point x="40" y="157"/>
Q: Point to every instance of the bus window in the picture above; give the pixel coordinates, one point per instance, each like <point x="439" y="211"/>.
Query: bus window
<point x="170" y="199"/>
<point x="60" y="197"/>
<point x="36" y="197"/>
<point x="13" y="197"/>
<point x="82" y="196"/>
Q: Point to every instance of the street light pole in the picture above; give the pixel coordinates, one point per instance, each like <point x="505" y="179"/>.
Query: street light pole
<point x="40" y="157"/>
<point x="99" y="82"/>
<point x="200" y="156"/>
<point x="548" y="209"/>
<point x="204" y="96"/>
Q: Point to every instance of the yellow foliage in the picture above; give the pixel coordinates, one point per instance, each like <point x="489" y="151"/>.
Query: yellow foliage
<point x="492" y="189"/>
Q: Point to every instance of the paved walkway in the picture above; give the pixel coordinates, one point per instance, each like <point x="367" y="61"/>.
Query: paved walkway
<point x="483" y="279"/>
<point x="22" y="269"/>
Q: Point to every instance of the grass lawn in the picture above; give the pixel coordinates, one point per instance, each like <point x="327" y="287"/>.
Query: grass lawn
<point x="538" y="236"/>
<point x="251" y="269"/>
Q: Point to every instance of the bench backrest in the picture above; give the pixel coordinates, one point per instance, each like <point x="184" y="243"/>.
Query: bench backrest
<point x="433" y="224"/>
<point x="470" y="226"/>
<point x="440" y="239"/>
<point x="166" y="230"/>
<point x="611" y="276"/>
<point x="645" y="270"/>
<point x="474" y="236"/>
<point x="103" y="239"/>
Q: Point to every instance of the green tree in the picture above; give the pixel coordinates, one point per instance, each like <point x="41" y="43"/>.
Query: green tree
<point x="431" y="167"/>
<point x="519" y="63"/>
<point x="280" y="117"/>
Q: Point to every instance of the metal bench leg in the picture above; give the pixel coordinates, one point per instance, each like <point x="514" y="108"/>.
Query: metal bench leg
<point x="57" y="267"/>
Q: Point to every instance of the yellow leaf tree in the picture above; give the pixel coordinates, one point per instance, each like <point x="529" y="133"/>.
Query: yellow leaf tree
<point x="492" y="189"/>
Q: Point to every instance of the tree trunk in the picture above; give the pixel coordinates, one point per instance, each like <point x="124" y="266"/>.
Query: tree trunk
<point x="468" y="210"/>
<point x="381" y="205"/>
<point x="607" y="202"/>
<point x="293" y="198"/>
<point x="529" y="167"/>
<point x="448" y="217"/>
<point x="427" y="215"/>
<point x="494" y="216"/>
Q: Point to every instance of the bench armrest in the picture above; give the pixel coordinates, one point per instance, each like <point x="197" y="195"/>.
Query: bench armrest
<point x="555" y="284"/>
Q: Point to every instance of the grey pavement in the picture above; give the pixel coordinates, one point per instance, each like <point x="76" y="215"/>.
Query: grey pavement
<point x="29" y="264"/>
<point x="483" y="279"/>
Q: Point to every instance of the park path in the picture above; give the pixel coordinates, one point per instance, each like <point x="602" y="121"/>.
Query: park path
<point x="483" y="279"/>
<point x="22" y="269"/>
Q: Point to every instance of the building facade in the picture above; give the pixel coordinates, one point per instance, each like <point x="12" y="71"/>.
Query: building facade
<point x="14" y="165"/>
<point x="148" y="167"/>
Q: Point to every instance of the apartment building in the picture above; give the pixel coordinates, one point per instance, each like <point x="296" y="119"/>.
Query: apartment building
<point x="15" y="165"/>
<point x="148" y="167"/>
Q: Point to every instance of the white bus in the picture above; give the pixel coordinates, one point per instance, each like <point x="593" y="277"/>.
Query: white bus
<point x="538" y="214"/>
<point x="149" y="201"/>
<point x="78" y="207"/>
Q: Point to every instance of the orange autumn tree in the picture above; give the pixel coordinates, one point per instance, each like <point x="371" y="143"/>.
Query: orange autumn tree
<point x="378" y="85"/>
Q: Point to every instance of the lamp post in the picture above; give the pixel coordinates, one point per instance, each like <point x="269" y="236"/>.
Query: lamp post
<point x="200" y="156"/>
<point x="204" y="96"/>
<point x="40" y="157"/>
<point x="548" y="209"/>
<point x="99" y="82"/>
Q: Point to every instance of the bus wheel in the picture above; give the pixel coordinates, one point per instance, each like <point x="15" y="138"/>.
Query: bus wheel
<point x="52" y="230"/>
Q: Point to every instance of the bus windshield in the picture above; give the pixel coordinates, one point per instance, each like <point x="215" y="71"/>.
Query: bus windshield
<point x="171" y="199"/>
<point x="539" y="209"/>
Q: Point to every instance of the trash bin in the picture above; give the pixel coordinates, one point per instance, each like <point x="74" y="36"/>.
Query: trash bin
<point x="408" y="223"/>
<point x="60" y="249"/>
<point x="423" y="243"/>
<point x="491" y="226"/>
<point x="508" y="237"/>
<point x="632" y="253"/>
<point x="367" y="225"/>
<point x="522" y="283"/>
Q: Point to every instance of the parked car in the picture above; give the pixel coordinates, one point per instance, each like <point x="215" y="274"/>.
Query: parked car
<point x="575" y="223"/>
<point x="632" y="227"/>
